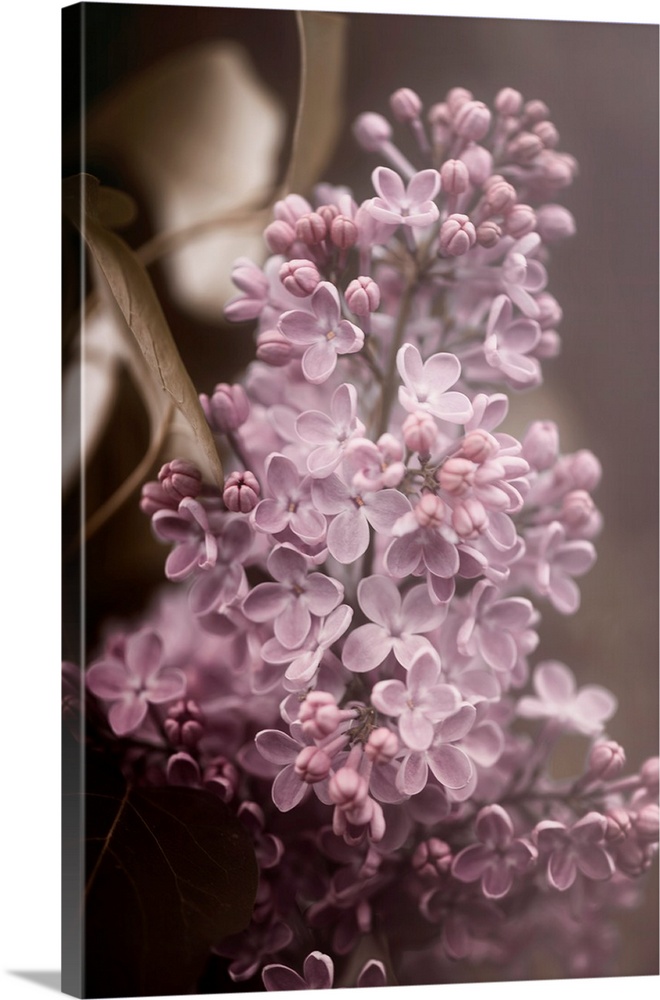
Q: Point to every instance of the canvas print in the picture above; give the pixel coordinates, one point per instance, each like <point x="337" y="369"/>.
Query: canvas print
<point x="360" y="675"/>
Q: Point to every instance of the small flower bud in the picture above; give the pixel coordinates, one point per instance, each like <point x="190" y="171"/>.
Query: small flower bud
<point x="406" y="105"/>
<point x="371" y="131"/>
<point x="432" y="858"/>
<point x="554" y="222"/>
<point x="456" y="475"/>
<point x="184" y="724"/>
<point x="524" y="148"/>
<point x="606" y="760"/>
<point x="633" y="858"/>
<point x="155" y="498"/>
<point x="343" y="232"/>
<point x="549" y="345"/>
<point x="241" y="492"/>
<point x="558" y="169"/>
<point x="547" y="133"/>
<point x="221" y="778"/>
<point x="508" y="102"/>
<point x="454" y="177"/>
<point x="279" y="236"/>
<point x="382" y="746"/>
<point x="180" y="479"/>
<point x="550" y="312"/>
<point x="650" y="775"/>
<point x="540" y="445"/>
<point x="488" y="234"/>
<point x="584" y="470"/>
<point x="290" y="209"/>
<point x="273" y="348"/>
<point x="363" y="296"/>
<point x="430" y="511"/>
<point x="619" y="824"/>
<point x="479" y="163"/>
<point x="520" y="221"/>
<point x="420" y="432"/>
<point x="457" y="235"/>
<point x="347" y="789"/>
<point x="536" y="111"/>
<point x="228" y="407"/>
<point x="472" y="120"/>
<point x="312" y="764"/>
<point x="327" y="213"/>
<point x="469" y="518"/>
<point x="478" y="446"/>
<point x="299" y="277"/>
<point x="311" y="228"/>
<point x="456" y="98"/>
<point x="500" y="195"/>
<point x="577" y="510"/>
<point x="647" y="823"/>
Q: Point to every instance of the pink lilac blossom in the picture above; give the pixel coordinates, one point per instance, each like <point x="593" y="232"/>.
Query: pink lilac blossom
<point x="348" y="661"/>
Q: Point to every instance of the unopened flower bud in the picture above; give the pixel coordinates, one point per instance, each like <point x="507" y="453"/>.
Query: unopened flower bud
<point x="456" y="475"/>
<point x="229" y="407"/>
<point x="184" y="724"/>
<point x="371" y="131"/>
<point x="347" y="789"/>
<point x="549" y="345"/>
<point x="577" y="509"/>
<point x="279" y="236"/>
<point x="420" y="432"/>
<point x="155" y="498"/>
<point x="478" y="446"/>
<point x="488" y="234"/>
<point x="536" y="111"/>
<point x="290" y="209"/>
<point x="554" y="222"/>
<point x="606" y="760"/>
<point x="432" y="858"/>
<point x="472" y="120"/>
<point x="454" y="177"/>
<point x="479" y="163"/>
<point x="299" y="277"/>
<point x="456" y="98"/>
<point x="363" y="296"/>
<point x="469" y="518"/>
<point x="633" y="858"/>
<point x="327" y="213"/>
<point x="312" y="764"/>
<point x="619" y="824"/>
<point x="550" y="312"/>
<point x="650" y="775"/>
<point x="584" y="470"/>
<point x="311" y="228"/>
<point x="647" y="823"/>
<point x="180" y="479"/>
<point x="382" y="746"/>
<point x="241" y="492"/>
<point x="540" y="445"/>
<point x="508" y="102"/>
<point x="430" y="511"/>
<point x="547" y="133"/>
<point x="558" y="169"/>
<point x="406" y="105"/>
<point x="457" y="235"/>
<point x="221" y="778"/>
<point x="524" y="148"/>
<point x="520" y="221"/>
<point x="343" y="232"/>
<point x="500" y="195"/>
<point x="273" y="348"/>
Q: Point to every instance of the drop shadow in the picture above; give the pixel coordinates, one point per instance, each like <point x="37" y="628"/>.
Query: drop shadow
<point x="49" y="980"/>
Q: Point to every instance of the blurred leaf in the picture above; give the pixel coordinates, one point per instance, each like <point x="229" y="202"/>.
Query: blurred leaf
<point x="319" y="115"/>
<point x="170" y="873"/>
<point x="134" y="294"/>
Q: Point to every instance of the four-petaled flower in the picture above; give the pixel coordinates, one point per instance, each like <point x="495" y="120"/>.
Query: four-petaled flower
<point x="497" y="858"/>
<point x="420" y="702"/>
<point x="574" y="849"/>
<point x="411" y="205"/>
<point x="425" y="385"/>
<point x="323" y="332"/>
<point x="585" y="711"/>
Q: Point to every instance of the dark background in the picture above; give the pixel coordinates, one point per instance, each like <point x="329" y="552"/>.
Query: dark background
<point x="601" y="84"/>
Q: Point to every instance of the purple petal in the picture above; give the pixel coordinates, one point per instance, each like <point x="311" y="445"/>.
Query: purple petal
<point x="108" y="680"/>
<point x="554" y="682"/>
<point x="319" y="361"/>
<point x="484" y="743"/>
<point x="325" y="303"/>
<point x="379" y="598"/>
<point x="373" y="975"/>
<point x="404" y="554"/>
<point x="494" y="826"/>
<point x="562" y="869"/>
<point x="279" y="977"/>
<point x="322" y="594"/>
<point x="283" y="477"/>
<point x="389" y="697"/>
<point x="265" y="602"/>
<point x="126" y="715"/>
<point x="440" y="372"/>
<point x="413" y="773"/>
<point x="498" y="648"/>
<point x="271" y="516"/>
<point x="423" y="186"/>
<point x="470" y="863"/>
<point x="384" y="508"/>
<point x="277" y="747"/>
<point x="288" y="790"/>
<point x="440" y="556"/>
<point x="318" y="971"/>
<point x="293" y="624"/>
<point x="497" y="881"/>
<point x="168" y="683"/>
<point x="456" y="726"/>
<point x="330" y="495"/>
<point x="299" y="327"/>
<point x="365" y="648"/>
<point x="348" y="536"/>
<point x="316" y="427"/>
<point x="389" y="186"/>
<point x="595" y="863"/>
<point x="419" y="613"/>
<point x="415" y="729"/>
<point x="450" y="765"/>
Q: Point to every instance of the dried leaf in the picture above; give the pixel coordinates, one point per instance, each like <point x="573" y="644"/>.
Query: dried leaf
<point x="319" y="115"/>
<point x="137" y="300"/>
<point x="170" y="873"/>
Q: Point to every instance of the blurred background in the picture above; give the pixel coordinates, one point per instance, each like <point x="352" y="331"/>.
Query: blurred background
<point x="162" y="89"/>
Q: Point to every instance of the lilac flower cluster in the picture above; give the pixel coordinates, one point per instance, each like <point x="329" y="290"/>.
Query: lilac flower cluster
<point x="350" y="660"/>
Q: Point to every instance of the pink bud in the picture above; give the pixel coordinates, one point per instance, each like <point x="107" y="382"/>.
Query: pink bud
<point x="457" y="235"/>
<point x="558" y="169"/>
<point x="606" y="760"/>
<point x="619" y="824"/>
<point x="520" y="221"/>
<point x="432" y="858"/>
<point x="279" y="236"/>
<point x="363" y="296"/>
<point x="524" y="148"/>
<point x="430" y="511"/>
<point x="311" y="228"/>
<point x="406" y="105"/>
<point x="536" y="111"/>
<point x="650" y="774"/>
<point x="371" y="131"/>
<point x="180" y="479"/>
<point x="184" y="724"/>
<point x="479" y="163"/>
<point x="439" y="116"/>
<point x="155" y="498"/>
<point x="488" y="234"/>
<point x="312" y="764"/>
<point x="454" y="177"/>
<point x="299" y="277"/>
<point x="647" y="822"/>
<point x="469" y="518"/>
<point x="554" y="222"/>
<point x="343" y="232"/>
<point x="457" y="97"/>
<point x="320" y="714"/>
<point x="547" y="133"/>
<point x="550" y="312"/>
<point x="500" y="195"/>
<point x="549" y="345"/>
<point x="273" y="348"/>
<point x="508" y="102"/>
<point x="633" y="858"/>
<point x="540" y="445"/>
<point x="347" y="789"/>
<point x="584" y="469"/>
<point x="327" y="213"/>
<point x="382" y="746"/>
<point x="241" y="492"/>
<point x="420" y="432"/>
<point x="290" y="209"/>
<point x="472" y="120"/>
<point x="577" y="509"/>
<point x="456" y="475"/>
<point x="229" y="407"/>
<point x="478" y="445"/>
